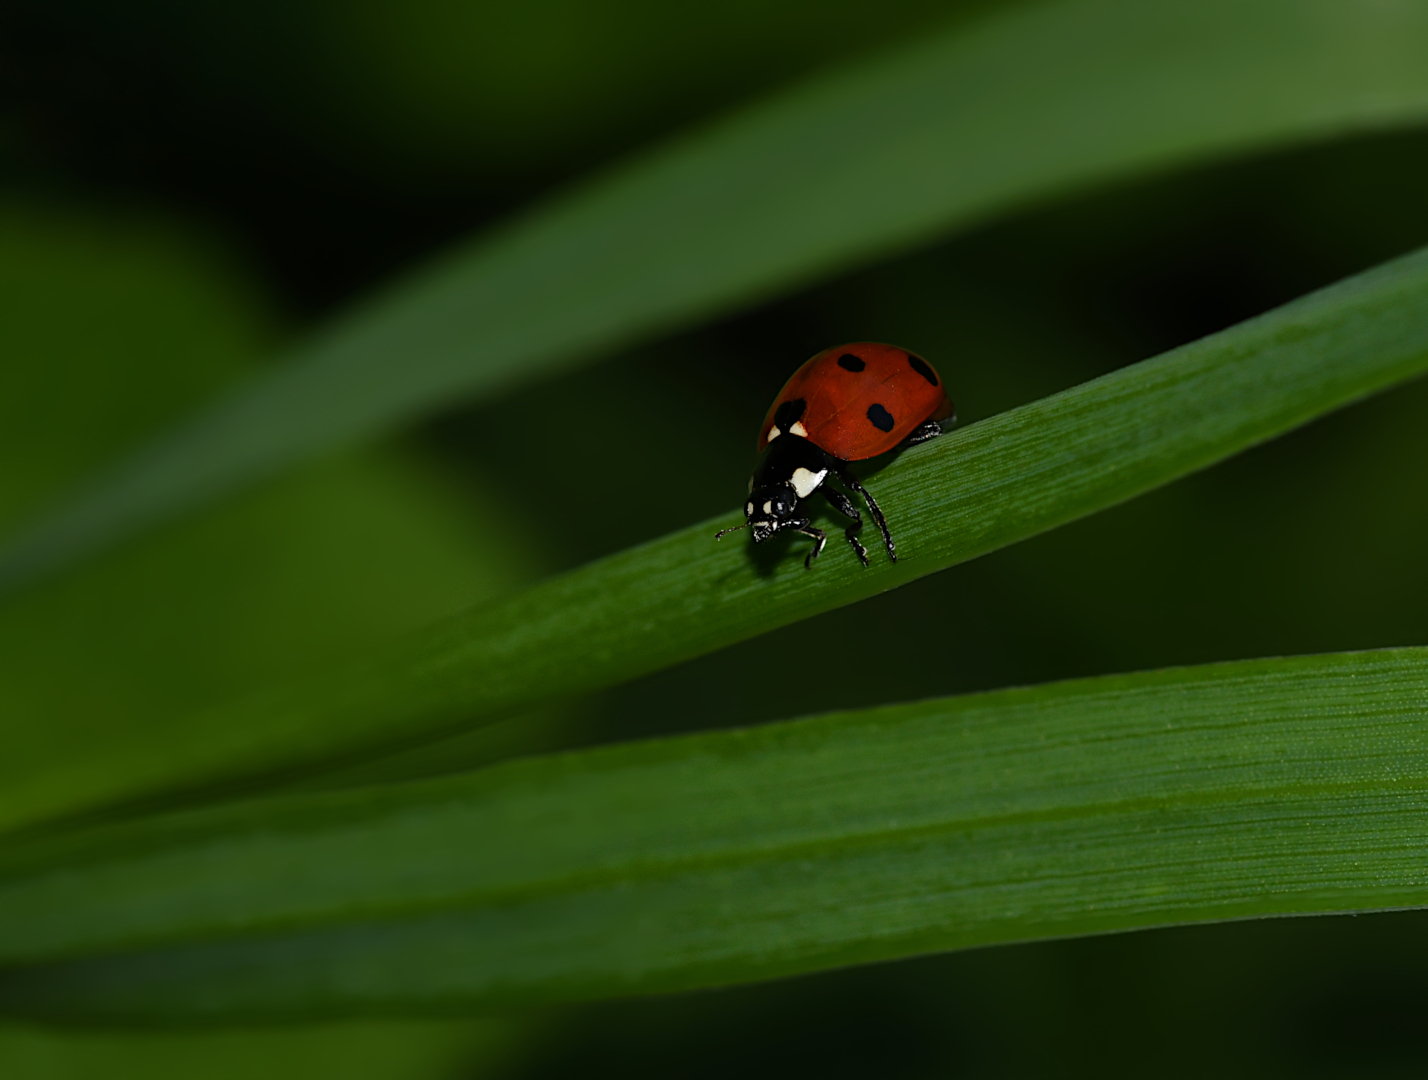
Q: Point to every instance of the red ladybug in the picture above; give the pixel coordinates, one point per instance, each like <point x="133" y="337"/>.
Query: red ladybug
<point x="848" y="403"/>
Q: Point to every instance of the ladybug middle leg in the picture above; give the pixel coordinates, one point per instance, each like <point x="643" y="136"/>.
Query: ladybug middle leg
<point x="844" y="506"/>
<point x="845" y="474"/>
<point x="802" y="525"/>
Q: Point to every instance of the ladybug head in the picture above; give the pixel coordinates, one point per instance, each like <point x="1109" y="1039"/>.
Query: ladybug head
<point x="770" y="509"/>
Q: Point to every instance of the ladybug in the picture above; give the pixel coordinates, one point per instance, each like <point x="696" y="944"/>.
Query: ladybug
<point x="848" y="403"/>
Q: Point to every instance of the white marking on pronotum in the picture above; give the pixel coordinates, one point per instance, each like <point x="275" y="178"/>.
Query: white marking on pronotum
<point x="805" y="481"/>
<point x="768" y="507"/>
<point x="749" y="510"/>
<point x="798" y="429"/>
<point x="774" y="433"/>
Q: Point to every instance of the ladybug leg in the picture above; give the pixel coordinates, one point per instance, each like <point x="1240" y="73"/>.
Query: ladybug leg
<point x="819" y="539"/>
<point x="846" y="475"/>
<point x="929" y="430"/>
<point x="844" y="506"/>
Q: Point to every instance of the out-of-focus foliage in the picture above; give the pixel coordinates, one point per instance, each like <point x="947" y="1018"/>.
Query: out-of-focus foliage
<point x="552" y="82"/>
<point x="110" y="328"/>
<point x="429" y="91"/>
<point x="112" y="325"/>
<point x="371" y="1050"/>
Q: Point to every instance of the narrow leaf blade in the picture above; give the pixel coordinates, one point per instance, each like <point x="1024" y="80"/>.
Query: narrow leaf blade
<point x="1256" y="788"/>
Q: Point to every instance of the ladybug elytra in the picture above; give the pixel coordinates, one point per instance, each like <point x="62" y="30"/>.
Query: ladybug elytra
<point x="848" y="403"/>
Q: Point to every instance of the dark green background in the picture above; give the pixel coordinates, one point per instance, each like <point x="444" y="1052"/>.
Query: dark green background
<point x="266" y="163"/>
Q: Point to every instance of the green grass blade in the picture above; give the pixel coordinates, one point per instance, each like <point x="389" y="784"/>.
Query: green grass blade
<point x="1257" y="788"/>
<point x="850" y="167"/>
<point x="968" y="493"/>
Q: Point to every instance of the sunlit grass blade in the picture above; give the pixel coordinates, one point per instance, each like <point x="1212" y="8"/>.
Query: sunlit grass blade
<point x="852" y="166"/>
<point x="1255" y="788"/>
<point x="968" y="493"/>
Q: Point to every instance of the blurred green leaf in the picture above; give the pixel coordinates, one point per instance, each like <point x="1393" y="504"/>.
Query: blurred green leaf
<point x="1026" y="105"/>
<point x="110" y="326"/>
<point x="365" y="1050"/>
<point x="1256" y="788"/>
<point x="513" y="85"/>
<point x="994" y="483"/>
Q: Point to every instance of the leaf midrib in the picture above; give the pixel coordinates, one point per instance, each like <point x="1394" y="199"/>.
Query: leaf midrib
<point x="1296" y="799"/>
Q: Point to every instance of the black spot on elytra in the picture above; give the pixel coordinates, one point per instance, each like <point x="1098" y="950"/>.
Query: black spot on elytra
<point x="789" y="413"/>
<point x="880" y="418"/>
<point x="849" y="362"/>
<point x="923" y="368"/>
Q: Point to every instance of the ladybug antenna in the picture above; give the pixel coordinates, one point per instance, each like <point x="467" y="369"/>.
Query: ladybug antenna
<point x="720" y="534"/>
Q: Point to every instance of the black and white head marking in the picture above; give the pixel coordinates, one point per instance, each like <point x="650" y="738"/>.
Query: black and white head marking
<point x="805" y="481"/>
<point x="792" y="469"/>
<point x="771" y="508"/>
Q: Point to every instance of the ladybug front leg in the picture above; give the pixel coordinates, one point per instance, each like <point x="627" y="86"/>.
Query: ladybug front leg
<point x="801" y="525"/>
<point x="844" y="506"/>
<point x="846" y="475"/>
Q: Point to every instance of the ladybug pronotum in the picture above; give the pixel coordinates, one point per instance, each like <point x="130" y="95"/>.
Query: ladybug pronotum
<point x="848" y="403"/>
